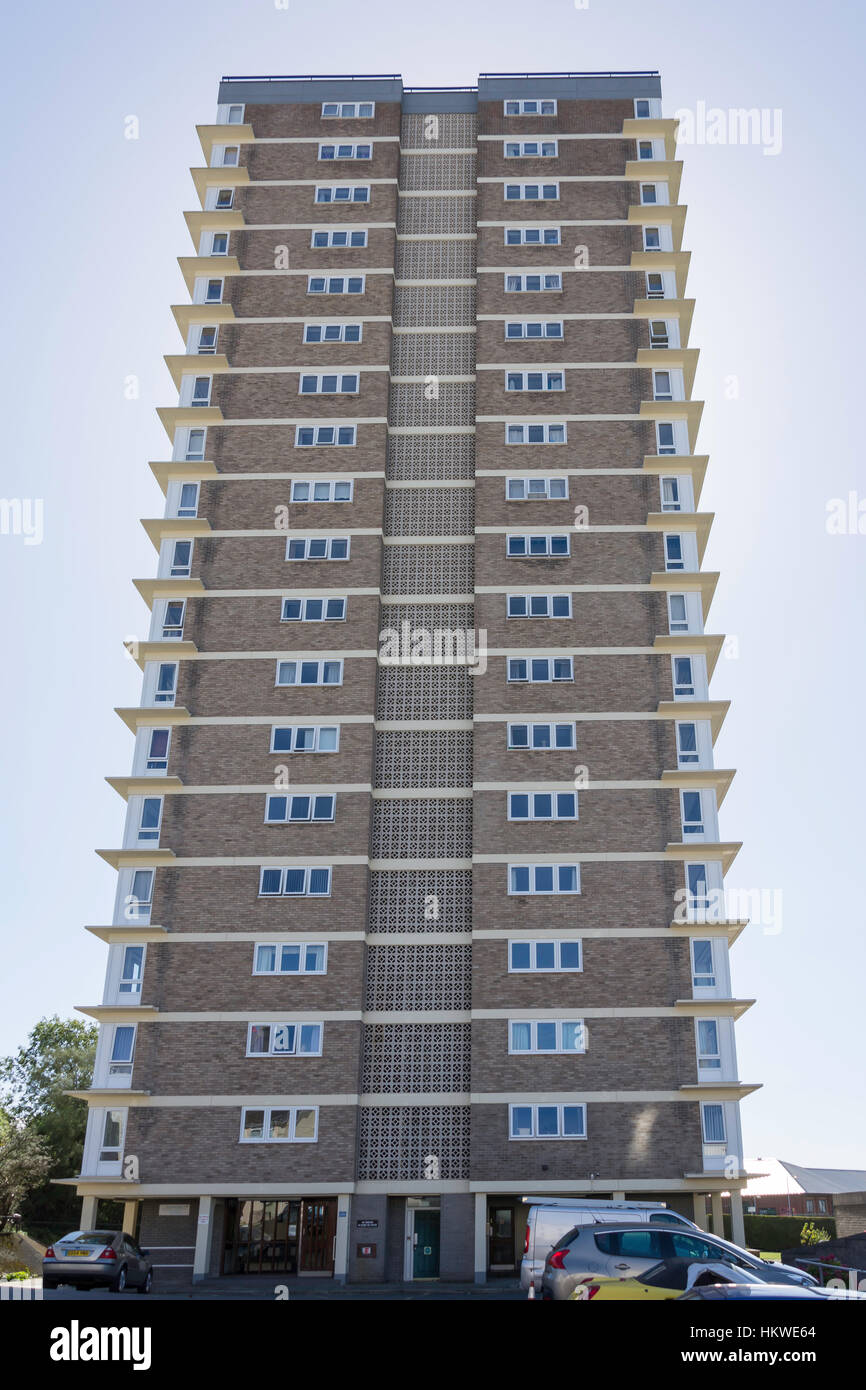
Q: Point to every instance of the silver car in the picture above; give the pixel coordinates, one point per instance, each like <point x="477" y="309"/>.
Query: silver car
<point x="91" y="1259"/>
<point x="623" y="1251"/>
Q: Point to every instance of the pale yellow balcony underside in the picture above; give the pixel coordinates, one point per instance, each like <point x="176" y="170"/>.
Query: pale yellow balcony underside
<point x="681" y="581"/>
<point x="663" y="464"/>
<point x="650" y="171"/>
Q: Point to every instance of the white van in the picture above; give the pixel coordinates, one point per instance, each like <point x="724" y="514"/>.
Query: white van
<point x="549" y="1218"/>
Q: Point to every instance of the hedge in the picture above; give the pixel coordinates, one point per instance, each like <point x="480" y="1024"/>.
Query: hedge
<point x="778" y="1232"/>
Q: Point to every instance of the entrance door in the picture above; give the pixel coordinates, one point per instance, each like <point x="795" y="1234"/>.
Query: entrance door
<point x="425" y="1261"/>
<point x="318" y="1232"/>
<point x="502" y="1238"/>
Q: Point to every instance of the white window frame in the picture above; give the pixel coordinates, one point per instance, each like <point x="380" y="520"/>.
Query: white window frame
<point x="333" y="189"/>
<point x="534" y="1049"/>
<point x="528" y="427"/>
<point x="536" y="599"/>
<point x="266" y="1111"/>
<point x="303" y="616"/>
<point x="320" y="443"/>
<point x="548" y="553"/>
<point x="536" y="234"/>
<point x="540" y="147"/>
<point x="348" y="110"/>
<point x="294" y="729"/>
<point x="533" y="968"/>
<point x="303" y="945"/>
<point x="334" y="237"/>
<point x="308" y="541"/>
<point x="551" y="725"/>
<point x="305" y="893"/>
<point x="534" y="1137"/>
<point x="345" y="149"/>
<point x="316" y="484"/>
<point x="713" y="1105"/>
<point x="529" y="496"/>
<point x="291" y="798"/>
<point x="550" y="281"/>
<point x="526" y="336"/>
<point x="321" y="382"/>
<point x="709" y="1059"/>
<point x="531" y="192"/>
<point x="344" y="277"/>
<point x="327" y="325"/>
<point x="533" y="891"/>
<point x="526" y="106"/>
<point x="531" y="811"/>
<point x="295" y="1050"/>
<point x="298" y="664"/>
<point x="525" y="378"/>
<point x="549" y="679"/>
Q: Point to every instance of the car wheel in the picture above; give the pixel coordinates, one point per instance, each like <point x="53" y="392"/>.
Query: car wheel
<point x="120" y="1282"/>
<point x="148" y="1283"/>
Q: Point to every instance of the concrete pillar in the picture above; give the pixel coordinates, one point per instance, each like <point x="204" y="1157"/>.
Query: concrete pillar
<point x="481" y="1237"/>
<point x="130" y="1216"/>
<point x="88" y="1213"/>
<point x="718" y="1220"/>
<point x="203" y="1238"/>
<point x="619" y="1196"/>
<point x="700" y="1213"/>
<point x="738" y="1225"/>
<point x="341" y="1245"/>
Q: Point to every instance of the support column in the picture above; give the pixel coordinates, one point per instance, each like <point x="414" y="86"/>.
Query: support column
<point x="88" y="1213"/>
<point x="130" y="1216"/>
<point x="203" y="1239"/>
<point x="699" y="1201"/>
<point x="619" y="1197"/>
<point x="341" y="1247"/>
<point x="718" y="1219"/>
<point x="738" y="1225"/>
<point x="481" y="1237"/>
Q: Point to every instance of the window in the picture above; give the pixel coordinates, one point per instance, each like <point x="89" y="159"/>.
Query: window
<point x="343" y="193"/>
<point x="543" y="879"/>
<point x="333" y="333"/>
<point x="663" y="389"/>
<point x="674" y="559"/>
<point x="329" y="384"/>
<point x="310" y="738"/>
<point x="131" y="969"/>
<point x="287" y="810"/>
<point x="523" y="284"/>
<point x="703" y="971"/>
<point x="234" y="115"/>
<point x="652" y="239"/>
<point x="188" y="500"/>
<point x="687" y="744"/>
<point x="532" y="236"/>
<point x="348" y="151"/>
<point x="547" y="1121"/>
<point x="678" y="619"/>
<point x="149" y="818"/>
<point x="530" y="149"/>
<point x="293" y="1124"/>
<point x="713" y="1122"/>
<point x="294" y="958"/>
<point x="645" y="149"/>
<point x="224" y="198"/>
<point x="547" y="1035"/>
<point x="641" y="107"/>
<point x="517" y="547"/>
<point x="219" y="245"/>
<point x="309" y="673"/>
<point x="181" y="560"/>
<point x="655" y="285"/>
<point x="112" y="1136"/>
<point x="195" y="446"/>
<point x="538" y="669"/>
<point x="313" y="610"/>
<point x="535" y="381"/>
<point x="659" y="335"/>
<point x="822" y="1205"/>
<point x="810" y="1205"/>
<point x="644" y="1244"/>
<point x="140" y="898"/>
<point x="231" y="155"/>
<point x="709" y="1051"/>
<point x="535" y="434"/>
<point x="542" y="805"/>
<point x="157" y="750"/>
<point x="294" y="883"/>
<point x="527" y="489"/>
<point x="313" y="436"/>
<point x="213" y="292"/>
<point x="348" y="110"/>
<point x="649" y="193"/>
<point x="166" y="683"/>
<point x="530" y="328"/>
<point x="531" y="192"/>
<point x="692" y="813"/>
<point x="200" y="391"/>
<point x="684" y="677"/>
<point x="284" y="1040"/>
<point x="327" y="490"/>
<point x="530" y="107"/>
<point x="665" y="437"/>
<point x="335" y="284"/>
<point x="696" y="884"/>
<point x="340" y="238"/>
<point x="122" y="1048"/>
<point x="317" y="548"/>
<point x="546" y="957"/>
<point x="538" y="606"/>
<point x="172" y="622"/>
<point x="207" y="339"/>
<point x="535" y="736"/>
<point x="671" y="494"/>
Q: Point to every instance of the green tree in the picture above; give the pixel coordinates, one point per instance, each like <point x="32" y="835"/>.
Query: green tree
<point x="57" y="1057"/>
<point x="24" y="1164"/>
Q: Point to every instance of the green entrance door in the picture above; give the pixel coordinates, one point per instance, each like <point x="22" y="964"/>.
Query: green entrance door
<point x="425" y="1264"/>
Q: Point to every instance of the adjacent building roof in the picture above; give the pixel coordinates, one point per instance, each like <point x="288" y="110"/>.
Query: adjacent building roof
<point x="779" y="1176"/>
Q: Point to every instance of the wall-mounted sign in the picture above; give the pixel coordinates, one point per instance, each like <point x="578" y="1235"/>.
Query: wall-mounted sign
<point x="366" y="1252"/>
<point x="372" y="1225"/>
<point x="174" y="1208"/>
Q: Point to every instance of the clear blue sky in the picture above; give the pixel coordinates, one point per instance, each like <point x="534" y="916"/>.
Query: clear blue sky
<point x="92" y="229"/>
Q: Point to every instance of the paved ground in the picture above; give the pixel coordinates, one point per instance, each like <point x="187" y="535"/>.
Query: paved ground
<point x="260" y="1289"/>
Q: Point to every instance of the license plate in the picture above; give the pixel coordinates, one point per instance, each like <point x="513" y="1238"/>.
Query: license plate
<point x="77" y="1252"/>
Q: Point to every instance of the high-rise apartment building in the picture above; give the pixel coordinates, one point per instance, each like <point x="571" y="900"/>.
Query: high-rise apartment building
<point x="419" y="895"/>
